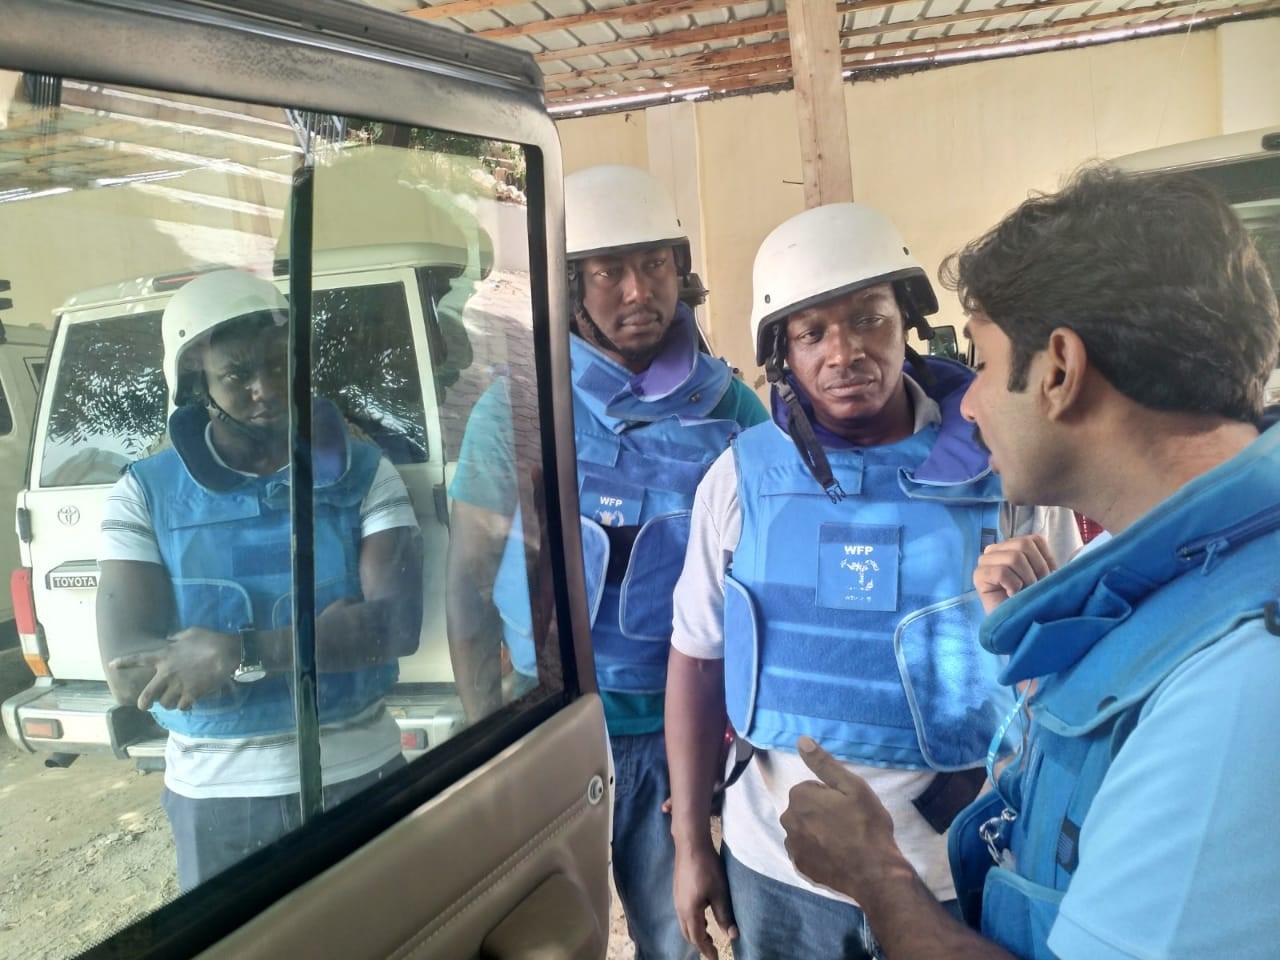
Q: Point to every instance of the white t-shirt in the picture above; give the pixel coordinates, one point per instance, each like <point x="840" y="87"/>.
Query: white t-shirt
<point x="264" y="766"/>
<point x="753" y="805"/>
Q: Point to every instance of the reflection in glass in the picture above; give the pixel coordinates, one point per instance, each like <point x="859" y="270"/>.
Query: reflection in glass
<point x="126" y="200"/>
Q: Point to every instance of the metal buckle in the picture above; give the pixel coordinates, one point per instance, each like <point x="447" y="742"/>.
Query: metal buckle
<point x="992" y="833"/>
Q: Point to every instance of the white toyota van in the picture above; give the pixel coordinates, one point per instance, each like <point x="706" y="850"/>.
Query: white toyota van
<point x="384" y="318"/>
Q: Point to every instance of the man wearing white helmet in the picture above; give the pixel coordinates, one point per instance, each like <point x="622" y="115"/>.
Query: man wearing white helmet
<point x="826" y="591"/>
<point x="651" y="412"/>
<point x="194" y="612"/>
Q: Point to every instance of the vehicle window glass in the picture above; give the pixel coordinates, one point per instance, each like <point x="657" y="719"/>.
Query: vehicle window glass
<point x="6" y="415"/>
<point x="108" y="402"/>
<point x="36" y="368"/>
<point x="1253" y="189"/>
<point x="366" y="363"/>
<point x="425" y="460"/>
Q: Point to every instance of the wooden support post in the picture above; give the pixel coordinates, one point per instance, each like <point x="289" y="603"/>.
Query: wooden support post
<point x="814" y="30"/>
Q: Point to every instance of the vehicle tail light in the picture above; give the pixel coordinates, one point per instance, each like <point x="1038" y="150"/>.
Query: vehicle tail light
<point x="42" y="728"/>
<point x="24" y="602"/>
<point x="413" y="739"/>
<point x="24" y="618"/>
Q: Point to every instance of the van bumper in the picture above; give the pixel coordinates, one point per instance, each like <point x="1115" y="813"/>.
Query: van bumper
<point x="79" y="717"/>
<point x="86" y="719"/>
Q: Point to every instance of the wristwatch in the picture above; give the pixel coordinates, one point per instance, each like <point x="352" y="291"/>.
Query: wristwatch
<point x="251" y="668"/>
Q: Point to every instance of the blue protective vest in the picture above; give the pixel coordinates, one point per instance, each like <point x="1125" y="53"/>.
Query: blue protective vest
<point x="1102" y="636"/>
<point x="639" y="463"/>
<point x="856" y="622"/>
<point x="225" y="541"/>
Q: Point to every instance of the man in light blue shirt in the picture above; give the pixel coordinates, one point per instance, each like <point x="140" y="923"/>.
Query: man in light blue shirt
<point x="1125" y="328"/>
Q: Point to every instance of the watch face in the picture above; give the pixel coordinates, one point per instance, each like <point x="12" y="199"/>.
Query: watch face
<point x="247" y="673"/>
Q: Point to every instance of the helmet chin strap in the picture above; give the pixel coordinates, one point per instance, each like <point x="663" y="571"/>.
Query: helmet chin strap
<point x="915" y="319"/>
<point x="798" y="425"/>
<point x="257" y="436"/>
<point x="593" y="332"/>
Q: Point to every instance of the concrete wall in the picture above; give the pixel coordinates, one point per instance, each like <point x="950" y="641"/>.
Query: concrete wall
<point x="947" y="152"/>
<point x="1250" y="58"/>
<point x="612" y="138"/>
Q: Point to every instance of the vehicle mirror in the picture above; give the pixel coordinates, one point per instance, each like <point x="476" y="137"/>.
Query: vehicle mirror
<point x="943" y="343"/>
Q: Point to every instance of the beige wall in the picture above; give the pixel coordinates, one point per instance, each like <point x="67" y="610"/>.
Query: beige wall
<point x="947" y="152"/>
<point x="612" y="138"/>
<point x="1250" y="57"/>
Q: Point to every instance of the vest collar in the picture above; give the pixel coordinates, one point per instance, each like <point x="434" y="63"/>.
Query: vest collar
<point x="1050" y="626"/>
<point x="681" y="381"/>
<point x="331" y="454"/>
<point x="955" y="457"/>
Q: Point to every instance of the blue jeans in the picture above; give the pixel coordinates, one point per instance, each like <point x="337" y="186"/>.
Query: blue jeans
<point x="214" y="833"/>
<point x="643" y="852"/>
<point x="777" y="921"/>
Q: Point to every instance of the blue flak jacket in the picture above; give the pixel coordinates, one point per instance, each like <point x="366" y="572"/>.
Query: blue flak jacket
<point x="856" y="622"/>
<point x="225" y="541"/>
<point x="1102" y="636"/>
<point x="639" y="463"/>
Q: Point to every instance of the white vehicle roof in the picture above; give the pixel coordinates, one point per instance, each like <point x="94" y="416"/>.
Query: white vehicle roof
<point x="1230" y="147"/>
<point x="142" y="291"/>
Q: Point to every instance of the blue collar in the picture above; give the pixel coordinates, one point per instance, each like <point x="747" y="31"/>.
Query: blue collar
<point x="331" y="455"/>
<point x="1050" y="626"/>
<point x="681" y="381"/>
<point x="956" y="456"/>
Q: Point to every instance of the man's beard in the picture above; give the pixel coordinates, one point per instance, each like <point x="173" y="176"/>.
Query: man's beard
<point x="600" y="339"/>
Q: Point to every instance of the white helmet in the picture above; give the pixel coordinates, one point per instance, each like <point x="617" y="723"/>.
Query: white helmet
<point x="612" y="209"/>
<point x="207" y="302"/>
<point x="822" y="253"/>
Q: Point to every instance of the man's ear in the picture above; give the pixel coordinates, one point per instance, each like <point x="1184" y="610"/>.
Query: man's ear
<point x="1062" y="375"/>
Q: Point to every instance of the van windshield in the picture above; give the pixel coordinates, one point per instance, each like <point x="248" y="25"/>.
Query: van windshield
<point x="108" y="406"/>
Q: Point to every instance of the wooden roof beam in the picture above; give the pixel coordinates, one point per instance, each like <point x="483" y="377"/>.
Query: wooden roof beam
<point x="456" y="8"/>
<point x="780" y="66"/>
<point x="745" y="79"/>
<point x="777" y="23"/>
<point x="631" y="13"/>
<point x="813" y="28"/>
<point x="752" y="51"/>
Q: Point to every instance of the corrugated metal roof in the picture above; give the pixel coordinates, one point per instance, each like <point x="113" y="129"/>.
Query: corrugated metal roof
<point x="608" y="54"/>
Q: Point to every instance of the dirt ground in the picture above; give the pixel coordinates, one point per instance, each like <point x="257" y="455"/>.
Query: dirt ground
<point x="86" y="849"/>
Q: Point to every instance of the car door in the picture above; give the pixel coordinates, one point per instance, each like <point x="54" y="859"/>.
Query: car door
<point x="144" y="140"/>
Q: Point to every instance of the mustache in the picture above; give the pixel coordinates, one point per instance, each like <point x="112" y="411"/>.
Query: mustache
<point x="977" y="438"/>
<point x="644" y="313"/>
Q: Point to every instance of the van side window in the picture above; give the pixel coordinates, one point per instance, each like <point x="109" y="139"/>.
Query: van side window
<point x="367" y="365"/>
<point x="6" y="415"/>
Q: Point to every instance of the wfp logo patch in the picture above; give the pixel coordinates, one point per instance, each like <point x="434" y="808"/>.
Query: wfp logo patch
<point x="858" y="566"/>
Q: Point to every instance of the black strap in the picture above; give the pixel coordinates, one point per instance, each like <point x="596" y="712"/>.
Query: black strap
<point x="801" y="431"/>
<point x="741" y="753"/>
<point x="948" y="794"/>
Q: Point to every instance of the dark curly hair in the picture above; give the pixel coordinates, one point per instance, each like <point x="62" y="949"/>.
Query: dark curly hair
<point x="1153" y="271"/>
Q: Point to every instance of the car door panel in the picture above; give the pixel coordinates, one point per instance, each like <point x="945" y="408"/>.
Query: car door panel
<point x="510" y="857"/>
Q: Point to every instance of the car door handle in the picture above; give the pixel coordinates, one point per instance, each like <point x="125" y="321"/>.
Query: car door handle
<point x="555" y="922"/>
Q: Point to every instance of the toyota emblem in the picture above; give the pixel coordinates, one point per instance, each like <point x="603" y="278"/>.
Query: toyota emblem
<point x="69" y="516"/>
